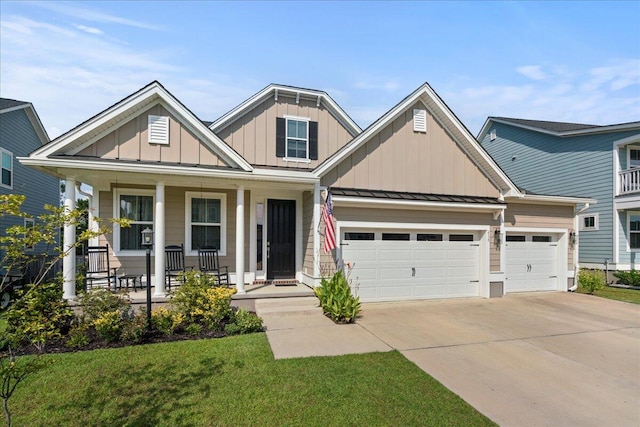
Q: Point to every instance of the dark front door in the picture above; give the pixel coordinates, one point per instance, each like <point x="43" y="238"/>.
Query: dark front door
<point x="281" y="239"/>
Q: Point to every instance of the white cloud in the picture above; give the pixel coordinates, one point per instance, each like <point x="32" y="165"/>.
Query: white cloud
<point x="90" y="30"/>
<point x="534" y="72"/>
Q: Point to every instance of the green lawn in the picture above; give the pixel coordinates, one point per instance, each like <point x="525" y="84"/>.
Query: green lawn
<point x="230" y="382"/>
<point x="619" y="294"/>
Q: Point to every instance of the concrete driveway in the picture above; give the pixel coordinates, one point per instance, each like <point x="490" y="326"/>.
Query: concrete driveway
<point x="543" y="359"/>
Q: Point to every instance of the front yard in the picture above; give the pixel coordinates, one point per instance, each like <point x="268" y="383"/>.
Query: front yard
<point x="619" y="294"/>
<point x="233" y="381"/>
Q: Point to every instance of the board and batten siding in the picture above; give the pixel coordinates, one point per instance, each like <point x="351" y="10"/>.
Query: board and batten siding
<point x="399" y="159"/>
<point x="130" y="142"/>
<point x="572" y="166"/>
<point x="175" y="227"/>
<point x="18" y="136"/>
<point x="253" y="135"/>
<point x="307" y="232"/>
<point x="541" y="216"/>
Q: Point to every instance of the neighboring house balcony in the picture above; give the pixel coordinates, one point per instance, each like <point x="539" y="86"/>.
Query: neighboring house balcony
<point x="628" y="181"/>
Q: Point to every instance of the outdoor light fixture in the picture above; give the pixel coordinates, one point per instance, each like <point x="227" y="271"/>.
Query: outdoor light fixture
<point x="147" y="243"/>
<point x="497" y="237"/>
<point x="572" y="238"/>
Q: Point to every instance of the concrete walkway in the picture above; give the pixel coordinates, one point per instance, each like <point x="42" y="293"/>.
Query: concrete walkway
<point x="554" y="359"/>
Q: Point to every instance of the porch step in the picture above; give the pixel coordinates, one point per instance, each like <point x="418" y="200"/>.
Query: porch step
<point x="299" y="306"/>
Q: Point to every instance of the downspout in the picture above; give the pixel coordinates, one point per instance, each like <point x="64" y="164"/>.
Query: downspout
<point x="576" y="248"/>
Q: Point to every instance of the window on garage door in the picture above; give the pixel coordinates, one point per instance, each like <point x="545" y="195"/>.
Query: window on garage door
<point x="461" y="237"/>
<point x="359" y="236"/>
<point x="511" y="238"/>
<point x="427" y="237"/>
<point x="396" y="236"/>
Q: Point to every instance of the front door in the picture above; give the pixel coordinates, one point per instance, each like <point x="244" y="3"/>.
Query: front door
<point x="281" y="239"/>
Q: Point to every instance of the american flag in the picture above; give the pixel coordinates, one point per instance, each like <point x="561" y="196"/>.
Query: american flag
<point x="329" y="230"/>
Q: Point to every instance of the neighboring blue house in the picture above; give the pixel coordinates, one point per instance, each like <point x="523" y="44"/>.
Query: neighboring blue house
<point x="21" y="132"/>
<point x="569" y="159"/>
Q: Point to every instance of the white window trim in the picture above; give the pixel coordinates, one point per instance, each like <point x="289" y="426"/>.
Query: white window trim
<point x="629" y="148"/>
<point x="116" y="214"/>
<point x="187" y="220"/>
<point x="32" y="221"/>
<point x="596" y="222"/>
<point x="286" y="139"/>
<point x="162" y="122"/>
<point x="3" y="151"/>
<point x="628" y="231"/>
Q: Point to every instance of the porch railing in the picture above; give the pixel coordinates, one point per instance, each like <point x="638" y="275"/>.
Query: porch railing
<point x="629" y="181"/>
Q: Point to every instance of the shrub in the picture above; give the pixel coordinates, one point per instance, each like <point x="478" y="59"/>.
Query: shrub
<point x="193" y="329"/>
<point x="39" y="315"/>
<point x="336" y="299"/>
<point x="96" y="302"/>
<point x="78" y="337"/>
<point x="629" y="278"/>
<point x="591" y="280"/>
<point x="200" y="302"/>
<point x="109" y="325"/>
<point x="166" y="321"/>
<point x="243" y="322"/>
<point x="134" y="329"/>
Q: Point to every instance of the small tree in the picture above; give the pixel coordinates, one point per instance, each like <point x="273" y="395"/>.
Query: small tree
<point x="591" y="280"/>
<point x="41" y="295"/>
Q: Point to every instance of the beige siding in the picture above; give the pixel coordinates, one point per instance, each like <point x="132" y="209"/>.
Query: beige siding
<point x="494" y="251"/>
<point x="399" y="159"/>
<point x="307" y="232"/>
<point x="541" y="216"/>
<point x="253" y="135"/>
<point x="129" y="142"/>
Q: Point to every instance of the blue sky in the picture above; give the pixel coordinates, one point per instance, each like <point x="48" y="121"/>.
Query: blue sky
<point x="561" y="61"/>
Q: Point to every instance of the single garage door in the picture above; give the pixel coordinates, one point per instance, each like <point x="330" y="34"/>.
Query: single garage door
<point x="531" y="263"/>
<point x="399" y="265"/>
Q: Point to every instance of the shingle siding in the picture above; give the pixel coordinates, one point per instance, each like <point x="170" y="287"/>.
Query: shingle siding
<point x="575" y="166"/>
<point x="18" y="136"/>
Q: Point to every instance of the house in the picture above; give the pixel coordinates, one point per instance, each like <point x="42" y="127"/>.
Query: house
<point x="21" y="132"/>
<point x="598" y="162"/>
<point x="420" y="209"/>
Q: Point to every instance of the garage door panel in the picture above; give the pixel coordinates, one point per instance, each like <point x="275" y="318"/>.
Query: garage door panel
<point x="432" y="291"/>
<point x="390" y="292"/>
<point x="430" y="254"/>
<point x="531" y="266"/>
<point x="462" y="290"/>
<point x="460" y="254"/>
<point x="395" y="273"/>
<point x="394" y="254"/>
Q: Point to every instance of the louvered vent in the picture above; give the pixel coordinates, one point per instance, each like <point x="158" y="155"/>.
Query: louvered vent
<point x="419" y="120"/>
<point x="492" y="135"/>
<point x="158" y="129"/>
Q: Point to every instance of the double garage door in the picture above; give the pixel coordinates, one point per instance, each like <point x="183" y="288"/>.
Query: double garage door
<point x="402" y="265"/>
<point x="531" y="262"/>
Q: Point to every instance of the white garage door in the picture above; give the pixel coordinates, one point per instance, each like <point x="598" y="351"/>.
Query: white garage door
<point x="531" y="263"/>
<point x="412" y="265"/>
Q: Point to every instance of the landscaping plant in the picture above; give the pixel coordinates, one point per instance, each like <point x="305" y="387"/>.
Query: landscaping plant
<point x="336" y="299"/>
<point x="243" y="322"/>
<point x="629" y="278"/>
<point x="591" y="280"/>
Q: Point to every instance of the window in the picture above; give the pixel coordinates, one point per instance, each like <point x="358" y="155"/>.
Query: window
<point x="429" y="237"/>
<point x="359" y="236"/>
<point x="395" y="236"/>
<point x="461" y="237"/>
<point x="206" y="221"/>
<point x="7" y="168"/>
<point x="158" y="129"/>
<point x="633" y="220"/>
<point x="512" y="238"/>
<point x="137" y="207"/>
<point x="29" y="223"/>
<point x="541" y="239"/>
<point x="296" y="139"/>
<point x="589" y="222"/>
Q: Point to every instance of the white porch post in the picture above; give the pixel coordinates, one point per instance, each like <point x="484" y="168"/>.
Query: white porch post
<point x="158" y="231"/>
<point x="69" y="260"/>
<point x="240" y="240"/>
<point x="316" y="232"/>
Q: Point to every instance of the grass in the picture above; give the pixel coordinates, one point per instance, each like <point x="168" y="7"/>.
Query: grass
<point x="233" y="382"/>
<point x="619" y="294"/>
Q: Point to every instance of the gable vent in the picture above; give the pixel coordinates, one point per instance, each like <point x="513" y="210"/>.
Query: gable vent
<point x="158" y="129"/>
<point x="419" y="120"/>
<point x="492" y="135"/>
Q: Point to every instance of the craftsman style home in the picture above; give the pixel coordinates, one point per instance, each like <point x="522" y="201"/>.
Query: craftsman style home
<point x="420" y="209"/>
<point x="599" y="162"/>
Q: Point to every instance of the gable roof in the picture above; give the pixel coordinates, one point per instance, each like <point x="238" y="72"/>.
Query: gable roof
<point x="560" y="129"/>
<point x="447" y="119"/>
<point x="320" y="97"/>
<point x="154" y="93"/>
<point x="8" y="105"/>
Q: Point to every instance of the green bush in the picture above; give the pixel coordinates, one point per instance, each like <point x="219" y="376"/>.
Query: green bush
<point x="591" y="280"/>
<point x="39" y="316"/>
<point x="134" y="329"/>
<point x="166" y="321"/>
<point x="109" y="325"/>
<point x="336" y="299"/>
<point x="193" y="329"/>
<point x="201" y="302"/>
<point x="96" y="302"/>
<point x="243" y="322"/>
<point x="629" y="278"/>
<point x="77" y="337"/>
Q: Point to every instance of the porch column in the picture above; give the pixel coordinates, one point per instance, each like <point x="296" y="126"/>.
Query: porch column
<point x="240" y="240"/>
<point x="316" y="231"/>
<point x="158" y="230"/>
<point x="69" y="260"/>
